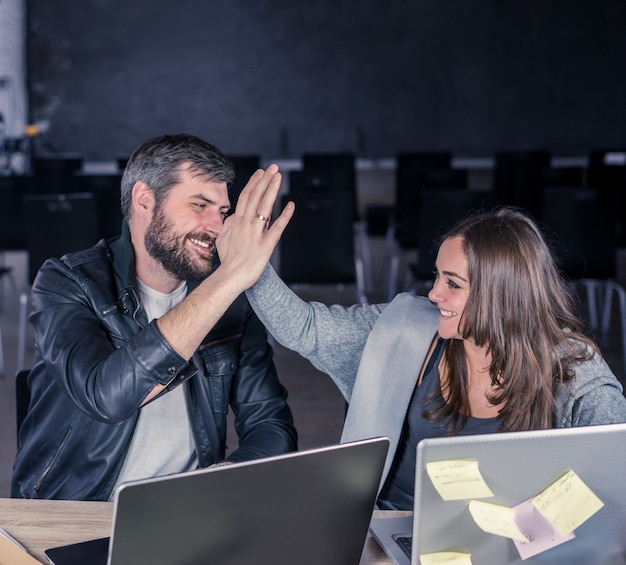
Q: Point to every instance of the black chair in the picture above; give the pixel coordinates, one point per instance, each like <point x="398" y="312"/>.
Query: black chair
<point x="415" y="171"/>
<point x="55" y="224"/>
<point x="563" y="176"/>
<point x="12" y="235"/>
<point x="121" y="162"/>
<point x="331" y="171"/>
<point x="106" y="190"/>
<point x="245" y="166"/>
<point x="342" y="166"/>
<point x="53" y="173"/>
<point x="12" y="191"/>
<point x="606" y="170"/>
<point x="318" y="245"/>
<point x="519" y="178"/>
<point x="22" y="399"/>
<point x="410" y="177"/>
<point x="441" y="209"/>
<point x="582" y="225"/>
<point x="606" y="167"/>
<point x="336" y="172"/>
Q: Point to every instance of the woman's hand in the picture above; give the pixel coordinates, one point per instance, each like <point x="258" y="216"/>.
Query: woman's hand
<point x="247" y="239"/>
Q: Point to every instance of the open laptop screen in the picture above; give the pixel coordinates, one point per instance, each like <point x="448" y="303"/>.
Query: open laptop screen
<point x="306" y="507"/>
<point x="517" y="467"/>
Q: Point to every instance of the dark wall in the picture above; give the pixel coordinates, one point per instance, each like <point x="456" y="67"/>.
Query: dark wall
<point x="283" y="77"/>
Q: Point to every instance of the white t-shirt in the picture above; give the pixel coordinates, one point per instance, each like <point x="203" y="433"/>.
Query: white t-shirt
<point x="162" y="443"/>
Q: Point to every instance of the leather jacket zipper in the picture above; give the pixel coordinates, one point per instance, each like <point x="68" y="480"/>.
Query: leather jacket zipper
<point x="217" y="341"/>
<point x="119" y="305"/>
<point x="50" y="465"/>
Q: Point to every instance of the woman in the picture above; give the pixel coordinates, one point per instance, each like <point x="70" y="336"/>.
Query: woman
<point x="496" y="346"/>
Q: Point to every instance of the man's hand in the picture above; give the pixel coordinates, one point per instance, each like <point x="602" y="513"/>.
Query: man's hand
<point x="245" y="246"/>
<point x="247" y="239"/>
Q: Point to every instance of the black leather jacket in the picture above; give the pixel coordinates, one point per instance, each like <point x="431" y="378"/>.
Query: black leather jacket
<point x="98" y="357"/>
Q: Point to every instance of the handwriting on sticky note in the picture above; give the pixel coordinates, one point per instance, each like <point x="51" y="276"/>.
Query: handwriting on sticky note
<point x="540" y="533"/>
<point x="496" y="519"/>
<point x="442" y="557"/>
<point x="567" y="503"/>
<point x="458" y="479"/>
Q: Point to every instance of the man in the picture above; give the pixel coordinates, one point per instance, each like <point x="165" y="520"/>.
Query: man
<point x="121" y="325"/>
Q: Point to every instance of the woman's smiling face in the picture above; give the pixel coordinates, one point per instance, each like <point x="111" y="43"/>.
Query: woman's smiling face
<point x="451" y="288"/>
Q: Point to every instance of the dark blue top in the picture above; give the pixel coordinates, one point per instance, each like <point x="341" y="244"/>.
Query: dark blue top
<point x="397" y="493"/>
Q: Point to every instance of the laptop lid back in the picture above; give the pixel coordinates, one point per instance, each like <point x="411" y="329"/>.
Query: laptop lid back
<point x="516" y="467"/>
<point x="306" y="507"/>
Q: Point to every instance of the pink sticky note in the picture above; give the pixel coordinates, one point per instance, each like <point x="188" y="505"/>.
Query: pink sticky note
<point x="541" y="535"/>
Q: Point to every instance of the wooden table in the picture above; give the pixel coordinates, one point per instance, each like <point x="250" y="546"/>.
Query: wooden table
<point x="40" y="524"/>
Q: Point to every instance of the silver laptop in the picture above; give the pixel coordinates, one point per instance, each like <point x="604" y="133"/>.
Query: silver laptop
<point x="305" y="507"/>
<point x="516" y="467"/>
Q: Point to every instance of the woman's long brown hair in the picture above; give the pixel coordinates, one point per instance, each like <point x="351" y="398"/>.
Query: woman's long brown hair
<point x="519" y="308"/>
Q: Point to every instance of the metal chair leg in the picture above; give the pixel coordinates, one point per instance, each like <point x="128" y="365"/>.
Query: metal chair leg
<point x="610" y="288"/>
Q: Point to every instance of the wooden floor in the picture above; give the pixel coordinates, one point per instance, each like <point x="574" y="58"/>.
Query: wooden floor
<point x="317" y="405"/>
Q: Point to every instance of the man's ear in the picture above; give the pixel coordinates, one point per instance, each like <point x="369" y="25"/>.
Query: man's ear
<point x="143" y="199"/>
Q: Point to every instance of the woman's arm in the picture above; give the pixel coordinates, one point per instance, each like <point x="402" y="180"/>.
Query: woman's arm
<point x="331" y="337"/>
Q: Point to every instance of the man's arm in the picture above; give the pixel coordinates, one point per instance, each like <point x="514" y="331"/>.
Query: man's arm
<point x="185" y="325"/>
<point x="105" y="370"/>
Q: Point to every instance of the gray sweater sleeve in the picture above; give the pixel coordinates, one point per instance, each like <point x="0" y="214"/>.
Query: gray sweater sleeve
<point x="331" y="337"/>
<point x="594" y="397"/>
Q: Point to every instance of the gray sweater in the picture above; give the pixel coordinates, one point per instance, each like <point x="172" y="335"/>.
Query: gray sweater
<point x="374" y="354"/>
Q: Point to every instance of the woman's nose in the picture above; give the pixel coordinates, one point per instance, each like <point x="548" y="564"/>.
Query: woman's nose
<point x="433" y="293"/>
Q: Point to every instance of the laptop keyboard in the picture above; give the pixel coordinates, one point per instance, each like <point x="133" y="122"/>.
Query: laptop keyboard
<point x="406" y="543"/>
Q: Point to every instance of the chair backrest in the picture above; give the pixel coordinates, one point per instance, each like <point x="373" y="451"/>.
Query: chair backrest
<point x="245" y="166"/>
<point x="53" y="173"/>
<point x="324" y="162"/>
<point x="441" y="209"/>
<point x="582" y="226"/>
<point x="327" y="181"/>
<point x="413" y="171"/>
<point x="22" y="398"/>
<point x="607" y="167"/>
<point x="607" y="171"/>
<point x="57" y="224"/>
<point x="122" y="161"/>
<point x="564" y="176"/>
<point x="445" y="178"/>
<point x="106" y="191"/>
<point x="519" y="178"/>
<point x="328" y="172"/>
<point x="318" y="245"/>
<point x="12" y="232"/>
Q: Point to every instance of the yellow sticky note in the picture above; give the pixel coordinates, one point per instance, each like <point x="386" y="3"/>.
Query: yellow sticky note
<point x="440" y="557"/>
<point x="458" y="479"/>
<point x="496" y="519"/>
<point x="567" y="503"/>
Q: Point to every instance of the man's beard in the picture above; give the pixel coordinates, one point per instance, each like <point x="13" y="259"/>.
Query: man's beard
<point x="168" y="248"/>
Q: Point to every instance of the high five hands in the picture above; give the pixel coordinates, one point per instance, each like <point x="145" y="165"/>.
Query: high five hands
<point x="247" y="239"/>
